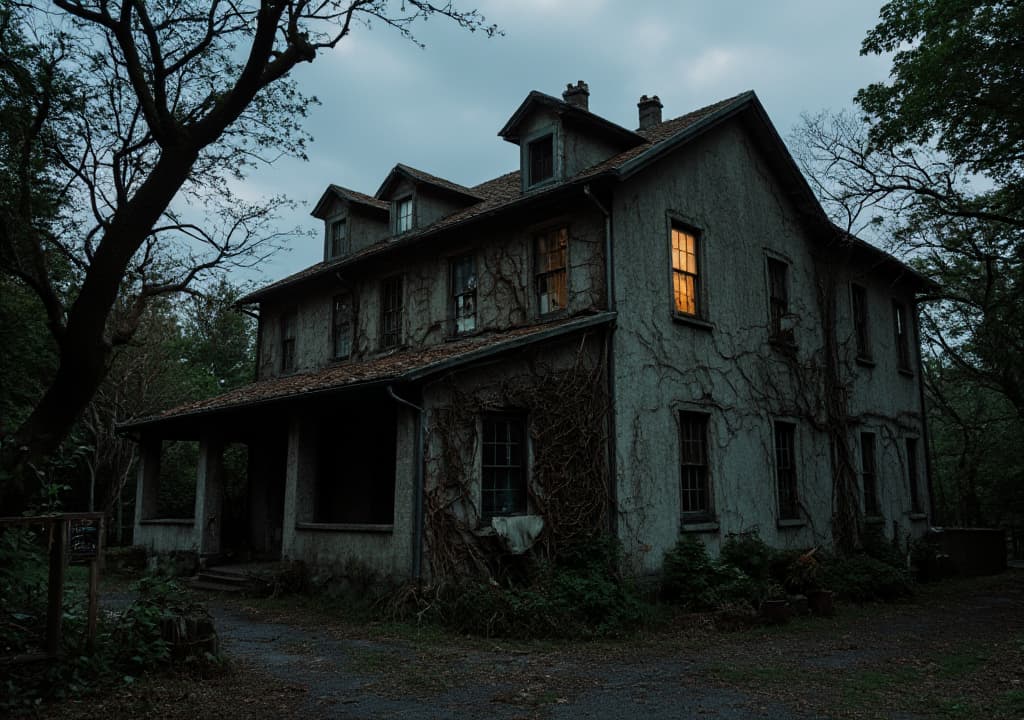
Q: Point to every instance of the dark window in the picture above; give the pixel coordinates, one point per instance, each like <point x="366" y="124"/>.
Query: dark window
<point x="403" y="215"/>
<point x="693" y="446"/>
<point x="341" y="326"/>
<point x="542" y="159"/>
<point x="869" y="473"/>
<point x="391" y="313"/>
<point x="778" y="299"/>
<point x="463" y="275"/>
<point x="288" y="322"/>
<point x="552" y="251"/>
<point x="912" y="478"/>
<point x="503" y="467"/>
<point x="899" y="321"/>
<point x="684" y="272"/>
<point x="785" y="470"/>
<point x="861" y="330"/>
<point x="338" y="236"/>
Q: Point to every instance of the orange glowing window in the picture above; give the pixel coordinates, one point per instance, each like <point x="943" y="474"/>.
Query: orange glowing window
<point x="684" y="272"/>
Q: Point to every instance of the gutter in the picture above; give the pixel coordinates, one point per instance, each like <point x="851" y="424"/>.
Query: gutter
<point x="417" y="500"/>
<point x="609" y="291"/>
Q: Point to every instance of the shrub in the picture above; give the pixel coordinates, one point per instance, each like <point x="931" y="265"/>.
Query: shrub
<point x="861" y="578"/>
<point x="749" y="553"/>
<point x="693" y="581"/>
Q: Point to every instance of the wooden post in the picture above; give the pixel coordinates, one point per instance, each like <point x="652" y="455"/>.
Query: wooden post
<point x="55" y="589"/>
<point x="94" y="578"/>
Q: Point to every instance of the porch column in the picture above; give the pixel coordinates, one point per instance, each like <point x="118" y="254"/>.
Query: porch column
<point x="147" y="484"/>
<point x="209" y="494"/>
<point x="291" y="489"/>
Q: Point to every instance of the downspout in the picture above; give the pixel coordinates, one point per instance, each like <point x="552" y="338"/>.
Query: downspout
<point x="609" y="289"/>
<point x="417" y="500"/>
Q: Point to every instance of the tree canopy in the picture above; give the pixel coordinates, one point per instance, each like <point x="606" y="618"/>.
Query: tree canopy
<point x="125" y="124"/>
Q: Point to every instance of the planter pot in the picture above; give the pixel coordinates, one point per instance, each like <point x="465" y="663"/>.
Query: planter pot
<point x="798" y="604"/>
<point x="821" y="602"/>
<point x="776" y="612"/>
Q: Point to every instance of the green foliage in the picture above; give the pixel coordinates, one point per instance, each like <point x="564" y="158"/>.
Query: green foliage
<point x="862" y="578"/>
<point x="580" y="595"/>
<point x="749" y="553"/>
<point x="693" y="581"/>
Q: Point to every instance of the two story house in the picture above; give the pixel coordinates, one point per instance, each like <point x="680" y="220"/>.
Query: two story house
<point x="649" y="332"/>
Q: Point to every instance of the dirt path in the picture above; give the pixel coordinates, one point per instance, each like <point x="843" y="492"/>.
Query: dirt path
<point x="957" y="651"/>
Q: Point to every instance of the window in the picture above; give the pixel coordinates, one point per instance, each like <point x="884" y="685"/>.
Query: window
<point x="912" y="479"/>
<point x="341" y="327"/>
<point x="869" y="474"/>
<point x="552" y="292"/>
<point x="684" y="272"/>
<point x="785" y="470"/>
<point x="693" y="445"/>
<point x="463" y="275"/>
<point x="338" y="237"/>
<point x="288" y="322"/>
<point x="862" y="335"/>
<point x="541" y="156"/>
<point x="503" y="466"/>
<point x="899" y="321"/>
<point x="391" y="313"/>
<point x="403" y="215"/>
<point x="778" y="299"/>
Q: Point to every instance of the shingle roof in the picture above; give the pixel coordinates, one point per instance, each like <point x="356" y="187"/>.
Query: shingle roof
<point x="425" y="177"/>
<point x="506" y="191"/>
<point x="353" y="196"/>
<point x="394" y="367"/>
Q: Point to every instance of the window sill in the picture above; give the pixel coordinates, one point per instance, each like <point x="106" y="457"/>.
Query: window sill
<point x="698" y="526"/>
<point x="905" y="372"/>
<point x="918" y="516"/>
<point x="864" y="361"/>
<point x="784" y="523"/>
<point x="169" y="521"/>
<point x="344" y="527"/>
<point x="694" y="322"/>
<point x="874" y="520"/>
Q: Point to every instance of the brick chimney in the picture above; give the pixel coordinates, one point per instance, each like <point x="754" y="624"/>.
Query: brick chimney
<point x="650" y="111"/>
<point x="578" y="95"/>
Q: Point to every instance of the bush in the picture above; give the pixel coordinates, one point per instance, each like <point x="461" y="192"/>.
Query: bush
<point x="749" y="553"/>
<point x="580" y="594"/>
<point x="693" y="581"/>
<point x="862" y="578"/>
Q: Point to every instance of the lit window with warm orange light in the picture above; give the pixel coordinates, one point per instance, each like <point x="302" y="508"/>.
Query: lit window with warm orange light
<point x="684" y="272"/>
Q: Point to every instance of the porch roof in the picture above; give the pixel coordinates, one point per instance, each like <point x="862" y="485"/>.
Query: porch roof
<point x="395" y="367"/>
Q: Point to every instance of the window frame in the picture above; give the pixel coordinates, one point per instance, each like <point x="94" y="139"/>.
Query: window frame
<point x="340" y="325"/>
<point x="861" y="317"/>
<point x="901" y="335"/>
<point x="869" y="474"/>
<point x="699" y="310"/>
<point x="289" y="323"/>
<point x="548" y="272"/>
<point x="392" y="288"/>
<point x="701" y="423"/>
<point x="779" y="304"/>
<point x="532" y="142"/>
<point x="787" y="487"/>
<point x="509" y="419"/>
<point x="469" y="292"/>
<point x="404" y="222"/>
<point x="337" y="245"/>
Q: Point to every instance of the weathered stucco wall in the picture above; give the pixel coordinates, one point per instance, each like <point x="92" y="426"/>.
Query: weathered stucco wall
<point x="725" y="365"/>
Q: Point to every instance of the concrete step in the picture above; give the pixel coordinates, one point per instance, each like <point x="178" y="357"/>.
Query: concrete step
<point x="197" y="583"/>
<point x="226" y="577"/>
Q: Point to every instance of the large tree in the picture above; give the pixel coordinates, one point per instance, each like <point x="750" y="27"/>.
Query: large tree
<point x="125" y="123"/>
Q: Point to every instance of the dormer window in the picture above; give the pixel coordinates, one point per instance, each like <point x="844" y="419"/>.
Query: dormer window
<point x="337" y="245"/>
<point x="403" y="215"/>
<point x="541" y="159"/>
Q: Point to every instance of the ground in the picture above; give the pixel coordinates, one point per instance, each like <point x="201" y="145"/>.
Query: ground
<point x="956" y="650"/>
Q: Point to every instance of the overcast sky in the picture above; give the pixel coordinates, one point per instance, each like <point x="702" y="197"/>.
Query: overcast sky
<point x="439" y="109"/>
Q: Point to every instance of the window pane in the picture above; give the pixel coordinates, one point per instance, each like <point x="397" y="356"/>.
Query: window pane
<point x="694" y="491"/>
<point x="541" y="159"/>
<point x="785" y="470"/>
<point x="503" y="471"/>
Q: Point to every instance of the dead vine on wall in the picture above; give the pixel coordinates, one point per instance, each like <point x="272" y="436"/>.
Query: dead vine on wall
<point x="566" y="410"/>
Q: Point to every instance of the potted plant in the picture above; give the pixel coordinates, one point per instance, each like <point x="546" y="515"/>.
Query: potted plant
<point x="775" y="607"/>
<point x="804" y="577"/>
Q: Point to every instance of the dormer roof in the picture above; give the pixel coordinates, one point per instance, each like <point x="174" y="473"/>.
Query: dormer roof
<point x="571" y="113"/>
<point x="337" y="192"/>
<point x="423" y="178"/>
